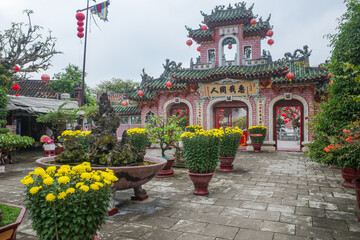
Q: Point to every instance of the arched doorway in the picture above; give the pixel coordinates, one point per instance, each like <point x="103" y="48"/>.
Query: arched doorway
<point x="232" y="114"/>
<point x="288" y="125"/>
<point x="181" y="111"/>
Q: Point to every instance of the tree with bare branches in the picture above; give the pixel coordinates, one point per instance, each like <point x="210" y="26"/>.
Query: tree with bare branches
<point x="22" y="45"/>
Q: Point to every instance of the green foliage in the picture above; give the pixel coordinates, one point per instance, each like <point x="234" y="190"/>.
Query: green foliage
<point x="9" y="214"/>
<point x="115" y="86"/>
<point x="201" y="150"/>
<point x="193" y="128"/>
<point x="68" y="204"/>
<point x="257" y="134"/>
<point x="76" y="145"/>
<point x="138" y="138"/>
<point x="230" y="142"/>
<point x="164" y="131"/>
<point x="66" y="81"/>
<point x="58" y="118"/>
<point x="10" y="142"/>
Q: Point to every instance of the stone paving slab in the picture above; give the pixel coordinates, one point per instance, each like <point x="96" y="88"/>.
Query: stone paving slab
<point x="275" y="196"/>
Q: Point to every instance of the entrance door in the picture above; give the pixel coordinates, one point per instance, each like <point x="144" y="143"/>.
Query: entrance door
<point x="288" y="126"/>
<point x="181" y="111"/>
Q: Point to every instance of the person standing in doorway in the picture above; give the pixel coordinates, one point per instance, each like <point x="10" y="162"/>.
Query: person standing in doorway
<point x="49" y="132"/>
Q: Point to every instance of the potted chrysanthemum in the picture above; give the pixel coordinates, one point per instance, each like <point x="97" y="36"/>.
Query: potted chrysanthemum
<point x="138" y="138"/>
<point x="257" y="136"/>
<point x="228" y="148"/>
<point x="68" y="203"/>
<point x="201" y="154"/>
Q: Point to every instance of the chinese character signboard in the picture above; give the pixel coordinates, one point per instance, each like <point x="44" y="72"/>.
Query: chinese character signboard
<point x="228" y="30"/>
<point x="199" y="112"/>
<point x="260" y="112"/>
<point x="225" y="89"/>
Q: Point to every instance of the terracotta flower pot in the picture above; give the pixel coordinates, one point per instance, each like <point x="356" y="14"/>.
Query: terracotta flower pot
<point x="201" y="182"/>
<point x="226" y="164"/>
<point x="349" y="174"/>
<point x="357" y="190"/>
<point x="167" y="171"/>
<point x="257" y="147"/>
<point x="9" y="231"/>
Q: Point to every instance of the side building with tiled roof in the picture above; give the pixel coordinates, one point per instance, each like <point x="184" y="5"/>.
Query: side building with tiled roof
<point x="234" y="82"/>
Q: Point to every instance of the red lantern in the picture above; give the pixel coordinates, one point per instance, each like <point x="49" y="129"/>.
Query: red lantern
<point x="169" y="84"/>
<point x="269" y="33"/>
<point x="222" y="110"/>
<point x="140" y="93"/>
<point x="189" y="42"/>
<point x="229" y="47"/>
<point x="124" y="103"/>
<point x="198" y="49"/>
<point x="290" y="76"/>
<point x="16" y="68"/>
<point x="80" y="34"/>
<point x="284" y="115"/>
<point x="286" y="121"/>
<point x="203" y="28"/>
<point x="253" y="21"/>
<point x="80" y="16"/>
<point x="45" y="78"/>
<point x="80" y="23"/>
<point x="16" y="87"/>
<point x="270" y="42"/>
<point x="80" y="29"/>
<point x="287" y="108"/>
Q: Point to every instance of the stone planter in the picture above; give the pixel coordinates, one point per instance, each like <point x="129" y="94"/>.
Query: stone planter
<point x="257" y="147"/>
<point x="201" y="182"/>
<point x="357" y="190"/>
<point x="226" y="164"/>
<point x="9" y="231"/>
<point x="349" y="175"/>
<point x="129" y="177"/>
<point x="167" y="171"/>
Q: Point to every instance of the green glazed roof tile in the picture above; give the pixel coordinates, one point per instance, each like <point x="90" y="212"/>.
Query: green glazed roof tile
<point x="128" y="109"/>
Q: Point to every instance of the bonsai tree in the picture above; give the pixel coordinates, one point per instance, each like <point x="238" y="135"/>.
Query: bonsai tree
<point x="164" y="131"/>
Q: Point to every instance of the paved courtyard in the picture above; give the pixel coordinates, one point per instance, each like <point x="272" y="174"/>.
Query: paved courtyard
<point x="273" y="196"/>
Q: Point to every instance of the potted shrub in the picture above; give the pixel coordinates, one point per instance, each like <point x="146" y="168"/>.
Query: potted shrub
<point x="10" y="218"/>
<point x="68" y="203"/>
<point x="165" y="132"/>
<point x="139" y="139"/>
<point x="228" y="148"/>
<point x="201" y="153"/>
<point x="11" y="142"/>
<point x="257" y="136"/>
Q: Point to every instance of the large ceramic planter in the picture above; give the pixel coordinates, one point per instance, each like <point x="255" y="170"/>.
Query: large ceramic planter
<point x="357" y="190"/>
<point x="9" y="231"/>
<point x="349" y="174"/>
<point x="129" y="177"/>
<point x="226" y="164"/>
<point x="257" y="147"/>
<point x="167" y="171"/>
<point x="201" y="182"/>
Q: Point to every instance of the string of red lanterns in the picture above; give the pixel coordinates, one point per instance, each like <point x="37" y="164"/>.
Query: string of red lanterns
<point x="80" y="17"/>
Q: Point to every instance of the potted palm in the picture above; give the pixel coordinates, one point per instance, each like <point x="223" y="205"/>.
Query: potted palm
<point x="201" y="154"/>
<point x="68" y="203"/>
<point x="166" y="132"/>
<point x="257" y="136"/>
<point x="228" y="148"/>
<point x="10" y="218"/>
<point x="139" y="139"/>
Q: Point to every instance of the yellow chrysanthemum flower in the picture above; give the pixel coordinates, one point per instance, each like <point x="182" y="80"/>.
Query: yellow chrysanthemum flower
<point x="62" y="195"/>
<point x="34" y="190"/>
<point x="39" y="171"/>
<point x="70" y="190"/>
<point x="63" y="180"/>
<point x="51" y="169"/>
<point x="84" y="188"/>
<point x="48" y="181"/>
<point x="50" y="197"/>
<point x="79" y="184"/>
<point x="99" y="184"/>
<point x="85" y="176"/>
<point x="94" y="187"/>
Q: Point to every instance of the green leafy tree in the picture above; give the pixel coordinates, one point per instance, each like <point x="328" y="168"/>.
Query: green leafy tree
<point x="22" y="45"/>
<point x="341" y="107"/>
<point x="66" y="81"/>
<point x="115" y="85"/>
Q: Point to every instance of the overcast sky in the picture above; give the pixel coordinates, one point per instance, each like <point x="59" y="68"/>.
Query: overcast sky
<point x="143" y="33"/>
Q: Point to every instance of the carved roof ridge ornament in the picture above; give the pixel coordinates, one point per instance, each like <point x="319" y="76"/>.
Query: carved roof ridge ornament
<point x="170" y="66"/>
<point x="228" y="80"/>
<point x="299" y="55"/>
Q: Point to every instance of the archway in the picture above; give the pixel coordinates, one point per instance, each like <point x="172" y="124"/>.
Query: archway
<point x="183" y="109"/>
<point x="288" y="125"/>
<point x="228" y="51"/>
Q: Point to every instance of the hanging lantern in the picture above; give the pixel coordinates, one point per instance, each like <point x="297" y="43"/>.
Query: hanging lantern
<point x="141" y="93"/>
<point x="124" y="103"/>
<point x="189" y="42"/>
<point x="270" y="33"/>
<point x="229" y="47"/>
<point x="80" y="29"/>
<point x="198" y="49"/>
<point x="270" y="42"/>
<point x="80" y="34"/>
<point x="286" y="121"/>
<point x="203" y="28"/>
<point x="169" y="84"/>
<point x="222" y="110"/>
<point x="45" y="78"/>
<point x="290" y="76"/>
<point x="284" y="115"/>
<point x="16" y="87"/>
<point x="80" y="23"/>
<point x="80" y="16"/>
<point x="253" y="21"/>
<point x="16" y="68"/>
